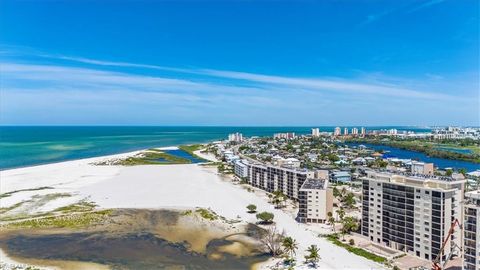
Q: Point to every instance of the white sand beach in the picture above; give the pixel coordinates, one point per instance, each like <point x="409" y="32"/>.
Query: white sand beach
<point x="160" y="186"/>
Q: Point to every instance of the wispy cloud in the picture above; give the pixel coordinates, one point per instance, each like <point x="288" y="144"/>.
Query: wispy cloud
<point x="405" y="7"/>
<point x="268" y="81"/>
<point x="107" y="92"/>
<point x="426" y="4"/>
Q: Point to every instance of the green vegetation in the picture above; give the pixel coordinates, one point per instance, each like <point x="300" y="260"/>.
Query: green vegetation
<point x="76" y="220"/>
<point x="440" y="149"/>
<point x="224" y="168"/>
<point x="290" y="247"/>
<point x="149" y="157"/>
<point x="207" y="214"/>
<point x="265" y="217"/>
<point x="313" y="255"/>
<point x="6" y="209"/>
<point x="187" y="213"/>
<point x="349" y="224"/>
<point x="355" y="250"/>
<point x="83" y="206"/>
<point x="8" y="194"/>
<point x="252" y="208"/>
<point x="35" y="201"/>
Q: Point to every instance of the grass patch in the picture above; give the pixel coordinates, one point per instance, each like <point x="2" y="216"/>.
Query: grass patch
<point x="77" y="220"/>
<point x="8" y="194"/>
<point x="149" y="157"/>
<point x="82" y="206"/>
<point x="355" y="250"/>
<point x="207" y="214"/>
<point x="187" y="213"/>
<point x="6" y="209"/>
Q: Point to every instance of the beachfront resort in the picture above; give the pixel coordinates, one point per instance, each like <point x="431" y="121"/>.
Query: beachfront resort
<point x="405" y="205"/>
<point x="285" y="201"/>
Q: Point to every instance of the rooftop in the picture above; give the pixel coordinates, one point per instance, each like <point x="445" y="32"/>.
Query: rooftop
<point x="419" y="176"/>
<point x="314" y="183"/>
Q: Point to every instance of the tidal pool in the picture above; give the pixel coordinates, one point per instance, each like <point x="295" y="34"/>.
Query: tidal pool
<point x="142" y="239"/>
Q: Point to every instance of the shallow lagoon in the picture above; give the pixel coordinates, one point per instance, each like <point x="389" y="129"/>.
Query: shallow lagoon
<point x="141" y="239"/>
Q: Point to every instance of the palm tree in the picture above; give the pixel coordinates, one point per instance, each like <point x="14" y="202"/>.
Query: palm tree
<point x="313" y="255"/>
<point x="331" y="220"/>
<point x="349" y="224"/>
<point x="340" y="213"/>
<point x="290" y="246"/>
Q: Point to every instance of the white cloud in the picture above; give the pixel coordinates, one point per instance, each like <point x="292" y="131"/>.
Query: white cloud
<point x="267" y="81"/>
<point x="42" y="94"/>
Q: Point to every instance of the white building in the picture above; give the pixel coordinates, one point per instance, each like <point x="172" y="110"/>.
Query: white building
<point x="272" y="178"/>
<point x="241" y="168"/>
<point x="354" y="131"/>
<point x="345" y="131"/>
<point x="235" y="137"/>
<point x="411" y="213"/>
<point x="315" y="201"/>
<point x="337" y="131"/>
<point x="363" y="132"/>
<point x="471" y="227"/>
<point x="286" y="135"/>
<point x="315" y="132"/>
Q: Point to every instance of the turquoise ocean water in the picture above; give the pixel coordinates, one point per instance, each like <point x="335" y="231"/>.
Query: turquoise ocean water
<point x="27" y="146"/>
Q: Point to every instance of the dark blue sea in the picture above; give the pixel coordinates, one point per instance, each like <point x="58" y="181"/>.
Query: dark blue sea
<point x="22" y="146"/>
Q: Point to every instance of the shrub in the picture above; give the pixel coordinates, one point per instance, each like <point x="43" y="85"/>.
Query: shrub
<point x="265" y="217"/>
<point x="252" y="208"/>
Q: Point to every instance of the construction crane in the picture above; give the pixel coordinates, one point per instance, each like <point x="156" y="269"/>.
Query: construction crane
<point x="437" y="263"/>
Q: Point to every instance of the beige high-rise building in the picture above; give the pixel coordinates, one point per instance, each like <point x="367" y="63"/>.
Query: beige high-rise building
<point x="471" y="229"/>
<point x="315" y="201"/>
<point x="315" y="132"/>
<point x="345" y="131"/>
<point x="411" y="213"/>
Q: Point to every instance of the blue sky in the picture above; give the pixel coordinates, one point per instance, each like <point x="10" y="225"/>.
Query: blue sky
<point x="409" y="62"/>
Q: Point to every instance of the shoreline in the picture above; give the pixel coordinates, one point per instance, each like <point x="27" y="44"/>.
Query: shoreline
<point x="117" y="155"/>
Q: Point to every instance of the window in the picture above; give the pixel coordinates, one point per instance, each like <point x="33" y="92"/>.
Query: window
<point x="427" y="192"/>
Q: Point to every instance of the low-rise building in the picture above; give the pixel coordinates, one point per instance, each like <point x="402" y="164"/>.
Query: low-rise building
<point x="315" y="201"/>
<point x="471" y="227"/>
<point x="340" y="177"/>
<point x="241" y="169"/>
